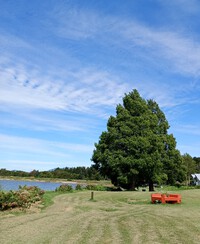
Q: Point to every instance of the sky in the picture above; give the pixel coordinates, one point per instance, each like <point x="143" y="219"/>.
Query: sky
<point x="66" y="64"/>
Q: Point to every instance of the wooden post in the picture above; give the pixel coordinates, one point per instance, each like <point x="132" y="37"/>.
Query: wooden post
<point x="92" y="195"/>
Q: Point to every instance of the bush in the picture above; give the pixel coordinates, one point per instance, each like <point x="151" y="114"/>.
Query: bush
<point x="64" y="188"/>
<point x="23" y="198"/>
<point x="78" y="187"/>
<point x="96" y="188"/>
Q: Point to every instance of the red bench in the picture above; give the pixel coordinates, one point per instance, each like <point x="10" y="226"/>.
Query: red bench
<point x="165" y="198"/>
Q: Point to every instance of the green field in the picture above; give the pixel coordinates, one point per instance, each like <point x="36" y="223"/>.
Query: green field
<point x="112" y="217"/>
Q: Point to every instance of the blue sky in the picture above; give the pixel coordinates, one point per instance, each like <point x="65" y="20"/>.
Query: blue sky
<point x="65" y="65"/>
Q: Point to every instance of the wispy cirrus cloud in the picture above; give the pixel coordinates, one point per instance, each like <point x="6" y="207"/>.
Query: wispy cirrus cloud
<point x="8" y="40"/>
<point x="74" y="23"/>
<point x="45" y="121"/>
<point x="64" y="67"/>
<point x="32" y="145"/>
<point x="81" y="90"/>
<point x="58" y="153"/>
<point x="193" y="129"/>
<point x="187" y="7"/>
<point x="87" y="89"/>
<point x="179" y="51"/>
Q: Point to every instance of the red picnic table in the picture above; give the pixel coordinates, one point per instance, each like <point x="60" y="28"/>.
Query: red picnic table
<point x="165" y="198"/>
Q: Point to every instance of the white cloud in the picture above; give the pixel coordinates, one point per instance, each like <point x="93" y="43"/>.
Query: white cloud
<point x="29" y="145"/>
<point x="87" y="90"/>
<point x="38" y="148"/>
<point x="192" y="129"/>
<point x="94" y="59"/>
<point x="173" y="50"/>
<point x="28" y="153"/>
<point x="29" y="165"/>
<point x="80" y="91"/>
<point x="181" y="52"/>
<point x="185" y="6"/>
<point x="39" y="145"/>
<point x="12" y="41"/>
<point x="75" y="23"/>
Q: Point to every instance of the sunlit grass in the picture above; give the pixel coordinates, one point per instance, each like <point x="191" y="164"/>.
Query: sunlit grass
<point x="111" y="217"/>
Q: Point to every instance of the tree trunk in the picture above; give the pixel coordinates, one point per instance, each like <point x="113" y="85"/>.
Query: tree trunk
<point x="188" y="180"/>
<point x="151" y="186"/>
<point x="132" y="186"/>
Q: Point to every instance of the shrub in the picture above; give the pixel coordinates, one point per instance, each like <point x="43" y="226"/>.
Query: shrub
<point x="96" y="187"/>
<point x="23" y="198"/>
<point x="79" y="187"/>
<point x="64" y="188"/>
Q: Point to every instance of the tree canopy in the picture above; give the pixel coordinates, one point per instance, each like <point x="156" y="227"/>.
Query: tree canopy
<point x="190" y="166"/>
<point x="197" y="161"/>
<point x="136" y="148"/>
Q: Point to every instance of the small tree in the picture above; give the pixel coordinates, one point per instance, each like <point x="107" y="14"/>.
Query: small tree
<point x="190" y="166"/>
<point x="197" y="162"/>
<point x="136" y="148"/>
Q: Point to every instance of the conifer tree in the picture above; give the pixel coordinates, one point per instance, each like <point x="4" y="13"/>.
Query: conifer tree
<point x="136" y="148"/>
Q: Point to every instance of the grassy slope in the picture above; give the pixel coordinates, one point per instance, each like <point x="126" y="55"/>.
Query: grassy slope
<point x="113" y="217"/>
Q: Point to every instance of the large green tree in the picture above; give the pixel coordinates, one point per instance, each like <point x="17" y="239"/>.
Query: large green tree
<point x="136" y="147"/>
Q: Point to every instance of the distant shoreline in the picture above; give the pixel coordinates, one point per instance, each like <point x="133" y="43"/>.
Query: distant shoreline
<point x="38" y="180"/>
<point x="57" y="180"/>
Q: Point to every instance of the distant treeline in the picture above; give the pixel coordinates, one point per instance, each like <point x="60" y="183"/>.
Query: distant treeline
<point x="78" y="173"/>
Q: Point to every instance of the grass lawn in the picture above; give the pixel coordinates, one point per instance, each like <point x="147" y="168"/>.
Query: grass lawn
<point x="112" y="217"/>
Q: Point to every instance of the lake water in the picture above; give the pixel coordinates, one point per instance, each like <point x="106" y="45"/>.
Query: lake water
<point x="7" y="185"/>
